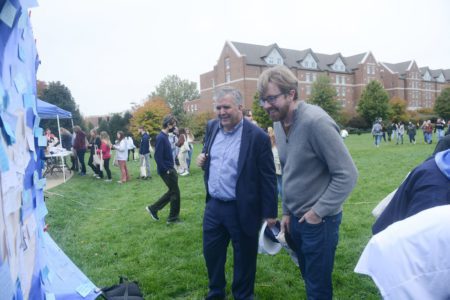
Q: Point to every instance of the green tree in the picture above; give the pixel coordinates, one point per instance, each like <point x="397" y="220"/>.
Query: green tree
<point x="442" y="104"/>
<point x="259" y="114"/>
<point x="374" y="102"/>
<point x="323" y="94"/>
<point x="116" y="123"/>
<point x="176" y="91"/>
<point x="398" y="109"/>
<point x="58" y="94"/>
<point x="197" y="123"/>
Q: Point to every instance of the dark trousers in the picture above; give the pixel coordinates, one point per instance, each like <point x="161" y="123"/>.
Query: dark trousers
<point x="106" y="168"/>
<point x="172" y="195"/>
<point x="316" y="247"/>
<point x="220" y="224"/>
<point x="80" y="155"/>
<point x="94" y="168"/>
<point x="412" y="138"/>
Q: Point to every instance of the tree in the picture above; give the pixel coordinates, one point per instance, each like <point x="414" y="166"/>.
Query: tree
<point x="323" y="94"/>
<point x="176" y="91"/>
<point x="398" y="109"/>
<point x="197" y="123"/>
<point x="58" y="94"/>
<point x="149" y="115"/>
<point x="442" y="104"/>
<point x="259" y="114"/>
<point x="374" y="102"/>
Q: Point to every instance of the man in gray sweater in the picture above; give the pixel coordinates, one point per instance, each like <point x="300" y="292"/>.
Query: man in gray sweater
<point x="318" y="175"/>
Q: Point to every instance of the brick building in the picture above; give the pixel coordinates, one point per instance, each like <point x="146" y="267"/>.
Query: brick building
<point x="240" y="64"/>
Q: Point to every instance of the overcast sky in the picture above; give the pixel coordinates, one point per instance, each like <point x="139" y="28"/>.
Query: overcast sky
<point x="111" y="53"/>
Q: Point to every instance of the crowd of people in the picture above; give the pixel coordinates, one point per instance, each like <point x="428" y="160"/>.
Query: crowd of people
<point x="396" y="130"/>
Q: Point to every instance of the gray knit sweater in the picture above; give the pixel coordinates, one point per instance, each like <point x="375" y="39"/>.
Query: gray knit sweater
<point x="318" y="171"/>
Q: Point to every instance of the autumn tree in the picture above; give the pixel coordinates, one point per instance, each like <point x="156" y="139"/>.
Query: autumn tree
<point x="259" y="114"/>
<point x="398" y="109"/>
<point x="197" y="123"/>
<point x="176" y="91"/>
<point x="323" y="94"/>
<point x="149" y="115"/>
<point x="374" y="102"/>
<point x="442" y="104"/>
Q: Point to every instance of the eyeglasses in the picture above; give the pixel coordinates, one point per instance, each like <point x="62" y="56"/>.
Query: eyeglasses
<point x="271" y="99"/>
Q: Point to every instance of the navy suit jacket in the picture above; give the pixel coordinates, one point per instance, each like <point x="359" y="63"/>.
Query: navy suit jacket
<point x="256" y="191"/>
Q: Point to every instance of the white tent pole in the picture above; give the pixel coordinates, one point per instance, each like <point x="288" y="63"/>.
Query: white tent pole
<point x="59" y="130"/>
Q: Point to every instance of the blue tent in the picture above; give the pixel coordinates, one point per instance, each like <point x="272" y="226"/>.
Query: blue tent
<point x="46" y="110"/>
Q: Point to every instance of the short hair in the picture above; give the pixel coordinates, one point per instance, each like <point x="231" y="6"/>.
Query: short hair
<point x="121" y="134"/>
<point x="282" y="77"/>
<point x="247" y="112"/>
<point x="222" y="92"/>
<point x="167" y="120"/>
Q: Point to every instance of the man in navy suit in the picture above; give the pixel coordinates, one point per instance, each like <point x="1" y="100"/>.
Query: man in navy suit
<point x="241" y="191"/>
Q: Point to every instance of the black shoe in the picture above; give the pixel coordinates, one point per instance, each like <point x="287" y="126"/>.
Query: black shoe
<point x="173" y="220"/>
<point x="153" y="213"/>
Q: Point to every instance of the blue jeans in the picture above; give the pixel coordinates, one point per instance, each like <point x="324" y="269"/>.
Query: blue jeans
<point x="280" y="185"/>
<point x="377" y="139"/>
<point x="316" y="246"/>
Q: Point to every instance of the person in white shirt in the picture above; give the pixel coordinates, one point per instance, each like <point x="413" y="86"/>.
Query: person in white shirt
<point x="130" y="147"/>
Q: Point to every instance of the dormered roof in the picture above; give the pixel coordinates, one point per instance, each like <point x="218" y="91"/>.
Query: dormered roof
<point x="446" y="74"/>
<point x="423" y="70"/>
<point x="255" y="54"/>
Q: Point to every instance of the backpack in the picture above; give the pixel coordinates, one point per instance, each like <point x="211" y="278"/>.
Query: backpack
<point x="125" y="290"/>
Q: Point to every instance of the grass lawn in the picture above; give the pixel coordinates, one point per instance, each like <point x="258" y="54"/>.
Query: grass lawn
<point x="104" y="228"/>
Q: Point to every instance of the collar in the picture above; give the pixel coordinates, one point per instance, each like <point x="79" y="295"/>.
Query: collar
<point x="442" y="160"/>
<point x="235" y="128"/>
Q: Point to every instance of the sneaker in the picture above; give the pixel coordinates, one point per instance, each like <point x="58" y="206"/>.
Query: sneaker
<point x="153" y="213"/>
<point x="185" y="173"/>
<point x="173" y="220"/>
<point x="119" y="182"/>
<point x="108" y="180"/>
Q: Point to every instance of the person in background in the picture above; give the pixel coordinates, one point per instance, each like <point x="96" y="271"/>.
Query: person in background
<point x="80" y="147"/>
<point x="240" y="187"/>
<point x="130" y="146"/>
<point x="428" y="131"/>
<point x="249" y="115"/>
<point x="74" y="157"/>
<point x="394" y="131"/>
<point x="94" y="145"/>
<point x="388" y="131"/>
<point x="165" y="166"/>
<point x="144" y="152"/>
<point x="377" y="132"/>
<point x="411" y="130"/>
<point x="182" y="153"/>
<point x="66" y="143"/>
<point x="439" y="129"/>
<point x="318" y="176"/>
<point x="105" y="149"/>
<point x="276" y="159"/>
<point x="190" y="139"/>
<point x="400" y="132"/>
<point x="52" y="140"/>
<point x="121" y="156"/>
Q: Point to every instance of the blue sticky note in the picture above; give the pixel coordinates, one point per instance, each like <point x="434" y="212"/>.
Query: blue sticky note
<point x="7" y="290"/>
<point x="28" y="3"/>
<point x="38" y="131"/>
<point x="20" y="83"/>
<point x="4" y="160"/>
<point x="8" y="122"/>
<point x="27" y="204"/>
<point x="21" y="52"/>
<point x="50" y="296"/>
<point x="29" y="118"/>
<point x="22" y="19"/>
<point x="8" y="14"/>
<point x="19" y="294"/>
<point x="41" y="209"/>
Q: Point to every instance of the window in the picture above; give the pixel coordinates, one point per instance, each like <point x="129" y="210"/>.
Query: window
<point x="308" y="77"/>
<point x="309" y="62"/>
<point x="343" y="80"/>
<point x="227" y="63"/>
<point x="343" y="92"/>
<point x="314" y="76"/>
<point x="337" y="79"/>
<point x="227" y="76"/>
<point x="337" y="91"/>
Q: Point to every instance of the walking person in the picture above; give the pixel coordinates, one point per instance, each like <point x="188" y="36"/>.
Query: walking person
<point x="190" y="139"/>
<point x="428" y="130"/>
<point x="121" y="156"/>
<point x="240" y="187"/>
<point x="105" y="149"/>
<point x="411" y="130"/>
<point x="165" y="167"/>
<point x="80" y="147"/>
<point x="439" y="129"/>
<point x="318" y="175"/>
<point x="377" y="132"/>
